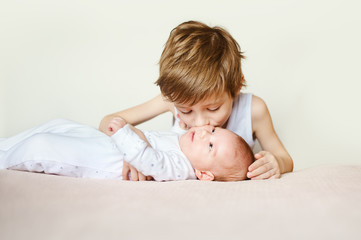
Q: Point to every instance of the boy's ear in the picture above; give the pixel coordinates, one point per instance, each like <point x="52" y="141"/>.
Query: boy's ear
<point x="204" y="175"/>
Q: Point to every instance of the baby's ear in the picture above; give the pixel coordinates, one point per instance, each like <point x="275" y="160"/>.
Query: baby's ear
<point x="204" y="175"/>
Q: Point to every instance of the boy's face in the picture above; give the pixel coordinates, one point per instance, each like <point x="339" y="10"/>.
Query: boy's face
<point x="212" y="111"/>
<point x="208" y="148"/>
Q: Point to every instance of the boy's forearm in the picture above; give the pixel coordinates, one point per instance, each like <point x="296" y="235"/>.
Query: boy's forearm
<point x="138" y="114"/>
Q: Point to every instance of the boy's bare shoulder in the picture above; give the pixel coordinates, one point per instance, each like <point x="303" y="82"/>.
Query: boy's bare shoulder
<point x="259" y="108"/>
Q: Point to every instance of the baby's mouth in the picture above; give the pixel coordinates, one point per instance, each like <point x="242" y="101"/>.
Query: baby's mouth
<point x="192" y="136"/>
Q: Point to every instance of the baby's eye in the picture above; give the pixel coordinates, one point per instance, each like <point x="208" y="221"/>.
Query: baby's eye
<point x="213" y="130"/>
<point x="210" y="146"/>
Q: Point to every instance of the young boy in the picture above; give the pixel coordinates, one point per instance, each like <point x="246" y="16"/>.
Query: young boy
<point x="67" y="148"/>
<point x="200" y="81"/>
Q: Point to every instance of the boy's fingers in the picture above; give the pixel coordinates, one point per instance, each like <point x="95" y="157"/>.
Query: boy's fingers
<point x="258" y="163"/>
<point x="259" y="170"/>
<point x="260" y="154"/>
<point x="182" y="125"/>
<point x="264" y="175"/>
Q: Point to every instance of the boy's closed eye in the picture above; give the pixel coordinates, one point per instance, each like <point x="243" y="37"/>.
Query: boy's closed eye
<point x="213" y="109"/>
<point x="186" y="112"/>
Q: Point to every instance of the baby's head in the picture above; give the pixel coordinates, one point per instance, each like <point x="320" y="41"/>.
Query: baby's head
<point x="216" y="153"/>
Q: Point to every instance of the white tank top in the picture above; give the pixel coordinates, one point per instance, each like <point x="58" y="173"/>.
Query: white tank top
<point x="240" y="120"/>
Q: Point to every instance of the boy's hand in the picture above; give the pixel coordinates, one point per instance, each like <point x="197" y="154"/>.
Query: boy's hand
<point x="115" y="124"/>
<point x="134" y="174"/>
<point x="265" y="167"/>
<point x="182" y="124"/>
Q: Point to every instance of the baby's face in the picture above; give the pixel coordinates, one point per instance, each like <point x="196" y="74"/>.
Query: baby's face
<point x="208" y="147"/>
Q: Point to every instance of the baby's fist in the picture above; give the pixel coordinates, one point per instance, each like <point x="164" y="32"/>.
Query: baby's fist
<point x="115" y="124"/>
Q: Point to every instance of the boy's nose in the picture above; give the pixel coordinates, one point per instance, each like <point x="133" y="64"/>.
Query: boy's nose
<point x="202" y="133"/>
<point x="201" y="121"/>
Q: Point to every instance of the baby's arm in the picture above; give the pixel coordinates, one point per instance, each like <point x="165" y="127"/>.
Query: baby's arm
<point x="162" y="166"/>
<point x="114" y="125"/>
<point x="138" y="114"/>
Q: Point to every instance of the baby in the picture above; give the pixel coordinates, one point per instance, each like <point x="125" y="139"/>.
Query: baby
<point x="67" y="148"/>
<point x="214" y="153"/>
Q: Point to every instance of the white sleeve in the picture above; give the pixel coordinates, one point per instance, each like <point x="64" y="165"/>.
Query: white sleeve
<point x="162" y="166"/>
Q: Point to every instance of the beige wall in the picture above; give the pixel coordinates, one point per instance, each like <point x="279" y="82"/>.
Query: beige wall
<point x="84" y="59"/>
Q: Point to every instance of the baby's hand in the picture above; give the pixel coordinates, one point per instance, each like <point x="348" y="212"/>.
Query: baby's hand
<point x="265" y="167"/>
<point x="115" y="124"/>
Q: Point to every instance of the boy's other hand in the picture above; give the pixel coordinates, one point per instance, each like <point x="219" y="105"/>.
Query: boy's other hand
<point x="134" y="174"/>
<point x="182" y="124"/>
<point x="266" y="166"/>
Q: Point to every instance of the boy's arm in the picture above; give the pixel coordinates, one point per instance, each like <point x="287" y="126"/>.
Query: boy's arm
<point x="274" y="159"/>
<point x="162" y="166"/>
<point x="138" y="114"/>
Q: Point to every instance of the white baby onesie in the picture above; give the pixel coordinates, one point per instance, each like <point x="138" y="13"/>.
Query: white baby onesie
<point x="164" y="160"/>
<point x="68" y="148"/>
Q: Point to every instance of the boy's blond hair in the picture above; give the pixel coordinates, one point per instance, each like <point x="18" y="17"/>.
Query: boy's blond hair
<point x="199" y="62"/>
